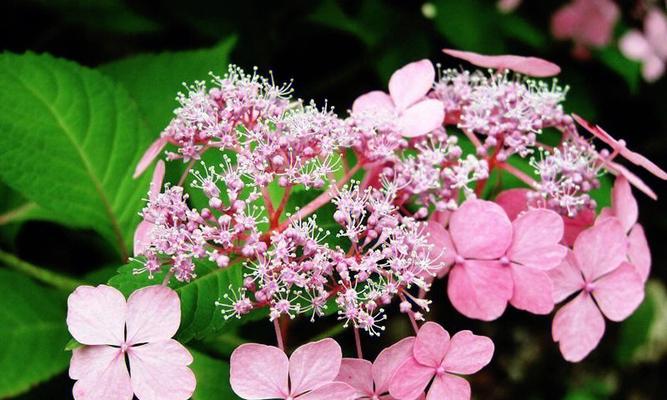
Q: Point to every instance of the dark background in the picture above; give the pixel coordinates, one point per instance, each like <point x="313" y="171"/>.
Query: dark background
<point x="337" y="51"/>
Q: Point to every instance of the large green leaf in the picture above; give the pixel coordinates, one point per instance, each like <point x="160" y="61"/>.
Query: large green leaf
<point x="153" y="80"/>
<point x="70" y="140"/>
<point x="212" y="378"/>
<point x="32" y="332"/>
<point x="200" y="317"/>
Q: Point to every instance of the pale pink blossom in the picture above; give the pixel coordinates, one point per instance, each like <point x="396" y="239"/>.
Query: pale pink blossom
<point x="531" y="66"/>
<point x="406" y="102"/>
<point x="264" y="372"/>
<point x="648" y="47"/>
<point x="371" y="380"/>
<point x="140" y="329"/>
<point x="605" y="284"/>
<point x="438" y="358"/>
<point x="588" y="23"/>
<point x="498" y="261"/>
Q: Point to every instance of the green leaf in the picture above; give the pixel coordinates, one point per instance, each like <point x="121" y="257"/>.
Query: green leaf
<point x="628" y="69"/>
<point x="70" y="139"/>
<point x="153" y="80"/>
<point x="32" y="332"/>
<point x="200" y="317"/>
<point x="470" y="25"/>
<point x="212" y="378"/>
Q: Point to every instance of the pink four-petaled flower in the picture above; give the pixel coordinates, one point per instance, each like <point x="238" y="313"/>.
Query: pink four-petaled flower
<point x="415" y="114"/>
<point x="496" y="260"/>
<point x="140" y="329"/>
<point x="264" y="372"/>
<point x="606" y="283"/>
<point x="438" y="358"/>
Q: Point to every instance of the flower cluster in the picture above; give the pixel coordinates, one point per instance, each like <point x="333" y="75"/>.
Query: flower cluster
<point x="398" y="200"/>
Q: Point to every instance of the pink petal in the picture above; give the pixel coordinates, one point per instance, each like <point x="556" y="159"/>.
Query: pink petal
<point x="421" y="118"/>
<point x="413" y="381"/>
<point x="389" y="360"/>
<point x="623" y="203"/>
<point x="431" y="344"/>
<point x="160" y="372"/>
<point x="564" y="22"/>
<point x="373" y="102"/>
<point x="531" y="66"/>
<point x="151" y="153"/>
<point x="156" y="181"/>
<point x="331" y="391"/>
<point x="633" y="179"/>
<point x="314" y="364"/>
<point x="467" y="353"/>
<point x="259" y="372"/>
<point x="96" y="315"/>
<point x="655" y="26"/>
<point x="578" y="327"/>
<point x="480" y="289"/>
<point x="566" y="278"/>
<point x="639" y="252"/>
<point x="91" y="360"/>
<point x="443" y="250"/>
<point x="634" y="45"/>
<point x="536" y="236"/>
<point x="107" y="379"/>
<point x="357" y="373"/>
<point x="619" y="293"/>
<point x="449" y="387"/>
<point x="143" y="237"/>
<point x="600" y="248"/>
<point x="652" y="69"/>
<point x="533" y="290"/>
<point x="513" y="201"/>
<point x="411" y="83"/>
<point x="628" y="154"/>
<point x="153" y="313"/>
<point x="480" y="229"/>
<point x="574" y="226"/>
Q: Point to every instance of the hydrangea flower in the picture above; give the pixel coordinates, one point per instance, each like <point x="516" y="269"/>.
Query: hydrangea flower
<point x="589" y="23"/>
<point x="372" y="380"/>
<point x="264" y="372"/>
<point x="649" y="47"/>
<point x="142" y="235"/>
<point x="406" y="102"/>
<point x="138" y="331"/>
<point x="439" y="359"/>
<point x="496" y="261"/>
<point x="605" y="283"/>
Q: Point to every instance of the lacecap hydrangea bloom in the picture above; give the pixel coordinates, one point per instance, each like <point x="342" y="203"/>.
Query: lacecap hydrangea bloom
<point x="328" y="213"/>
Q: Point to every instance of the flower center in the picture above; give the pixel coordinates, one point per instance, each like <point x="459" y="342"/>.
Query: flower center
<point x="124" y="347"/>
<point x="459" y="260"/>
<point x="440" y="371"/>
<point x="589" y="287"/>
<point x="504" y="261"/>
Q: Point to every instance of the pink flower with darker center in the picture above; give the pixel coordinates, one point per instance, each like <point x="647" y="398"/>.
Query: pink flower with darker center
<point x="372" y="380"/>
<point x="496" y="261"/>
<point x="264" y="372"/>
<point x="139" y="329"/>
<point x="588" y="23"/>
<point x="606" y="284"/>
<point x="531" y="66"/>
<point x="439" y="359"/>
<point x="406" y="104"/>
